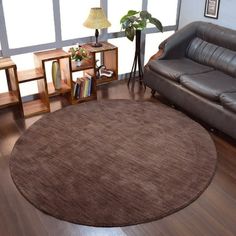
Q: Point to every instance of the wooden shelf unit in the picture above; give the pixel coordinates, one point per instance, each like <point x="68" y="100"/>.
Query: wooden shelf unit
<point x="30" y="75"/>
<point x="41" y="58"/>
<point x="41" y="102"/>
<point x="87" y="67"/>
<point x="109" y="58"/>
<point x="35" y="107"/>
<point x="65" y="88"/>
<point x="40" y="105"/>
<point x="8" y="99"/>
<point x="12" y="96"/>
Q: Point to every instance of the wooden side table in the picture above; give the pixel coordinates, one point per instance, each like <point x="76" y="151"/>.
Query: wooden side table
<point x="109" y="58"/>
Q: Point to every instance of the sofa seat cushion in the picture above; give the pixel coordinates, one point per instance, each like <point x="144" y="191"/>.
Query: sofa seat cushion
<point x="173" y="69"/>
<point x="228" y="100"/>
<point x="210" y="85"/>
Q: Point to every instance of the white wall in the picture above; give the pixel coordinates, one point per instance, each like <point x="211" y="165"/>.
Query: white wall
<point x="193" y="10"/>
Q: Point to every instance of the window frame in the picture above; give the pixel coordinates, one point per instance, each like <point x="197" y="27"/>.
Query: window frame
<point x="59" y="43"/>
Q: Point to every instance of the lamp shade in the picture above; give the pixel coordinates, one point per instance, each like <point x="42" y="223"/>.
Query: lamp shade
<point x="96" y="19"/>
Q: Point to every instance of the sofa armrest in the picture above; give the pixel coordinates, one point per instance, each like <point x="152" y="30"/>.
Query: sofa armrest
<point x="175" y="46"/>
<point x="157" y="55"/>
<point x="162" y="44"/>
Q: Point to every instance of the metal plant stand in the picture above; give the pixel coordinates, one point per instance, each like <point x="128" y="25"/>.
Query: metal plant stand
<point x="137" y="60"/>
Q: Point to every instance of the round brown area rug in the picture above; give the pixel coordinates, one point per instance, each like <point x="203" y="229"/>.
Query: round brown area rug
<point x="113" y="163"/>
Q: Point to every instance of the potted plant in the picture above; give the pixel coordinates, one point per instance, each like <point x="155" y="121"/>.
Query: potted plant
<point x="137" y="21"/>
<point x="78" y="54"/>
<point x="133" y="23"/>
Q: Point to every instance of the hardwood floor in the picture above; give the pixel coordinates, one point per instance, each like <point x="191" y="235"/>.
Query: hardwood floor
<point x="213" y="213"/>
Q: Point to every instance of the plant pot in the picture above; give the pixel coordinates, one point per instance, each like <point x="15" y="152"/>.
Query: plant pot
<point x="78" y="63"/>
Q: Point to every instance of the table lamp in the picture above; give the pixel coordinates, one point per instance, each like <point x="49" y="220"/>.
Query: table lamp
<point x="96" y="20"/>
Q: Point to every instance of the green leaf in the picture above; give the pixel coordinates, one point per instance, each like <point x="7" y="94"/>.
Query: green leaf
<point x="133" y="19"/>
<point x="129" y="33"/>
<point x="143" y="24"/>
<point x="128" y="20"/>
<point x="132" y="12"/>
<point x="157" y="23"/>
<point x="127" y="24"/>
<point x="136" y="26"/>
<point x="128" y="15"/>
<point x="123" y="19"/>
<point x="145" y="15"/>
<point x="124" y="26"/>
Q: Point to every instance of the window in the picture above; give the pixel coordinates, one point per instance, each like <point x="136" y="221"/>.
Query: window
<point x="29" y="22"/>
<point x="152" y="43"/>
<point x="73" y="15"/>
<point x="3" y="82"/>
<point x="28" y="88"/>
<point x="165" y="11"/>
<point x="25" y="62"/>
<point x="116" y="9"/>
<point x="126" y="54"/>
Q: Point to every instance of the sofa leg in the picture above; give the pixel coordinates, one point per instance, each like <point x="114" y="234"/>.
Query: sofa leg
<point x="153" y="92"/>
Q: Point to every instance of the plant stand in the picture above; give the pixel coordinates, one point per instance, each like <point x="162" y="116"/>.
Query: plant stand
<point x="137" y="59"/>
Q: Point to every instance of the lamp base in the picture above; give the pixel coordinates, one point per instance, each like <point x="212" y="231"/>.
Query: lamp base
<point x="96" y="45"/>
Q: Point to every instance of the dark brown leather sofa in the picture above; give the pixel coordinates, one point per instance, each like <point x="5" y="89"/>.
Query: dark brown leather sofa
<point x="195" y="68"/>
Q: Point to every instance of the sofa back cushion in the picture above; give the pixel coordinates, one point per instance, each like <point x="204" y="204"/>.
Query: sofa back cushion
<point x="212" y="55"/>
<point x="216" y="34"/>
